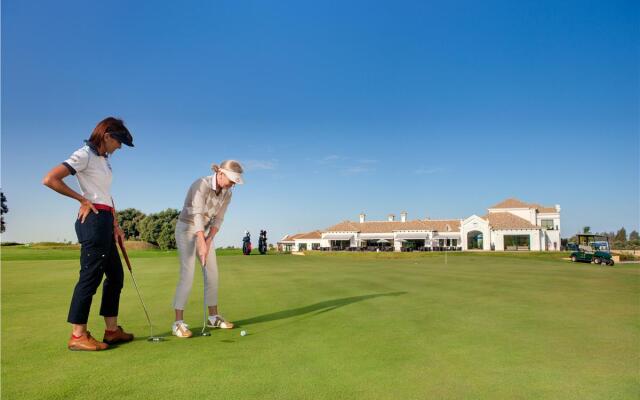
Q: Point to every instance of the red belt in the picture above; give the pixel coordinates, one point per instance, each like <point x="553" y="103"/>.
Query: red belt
<point x="103" y="207"/>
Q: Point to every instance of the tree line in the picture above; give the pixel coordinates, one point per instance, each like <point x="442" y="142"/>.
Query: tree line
<point x="618" y="240"/>
<point x="157" y="228"/>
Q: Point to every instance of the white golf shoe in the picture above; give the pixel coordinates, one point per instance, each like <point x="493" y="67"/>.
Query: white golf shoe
<point x="181" y="330"/>
<point x="216" y="321"/>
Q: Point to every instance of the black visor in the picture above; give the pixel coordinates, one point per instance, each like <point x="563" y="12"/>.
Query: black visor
<point x="123" y="137"/>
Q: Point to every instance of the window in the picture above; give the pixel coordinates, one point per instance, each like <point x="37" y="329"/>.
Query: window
<point x="315" y="246"/>
<point x="547" y="223"/>
<point x="516" y="242"/>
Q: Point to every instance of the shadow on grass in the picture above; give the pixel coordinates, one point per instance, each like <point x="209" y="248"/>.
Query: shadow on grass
<point x="317" y="308"/>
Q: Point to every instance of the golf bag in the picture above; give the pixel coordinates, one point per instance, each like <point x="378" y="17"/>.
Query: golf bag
<point x="246" y="244"/>
<point x="262" y="242"/>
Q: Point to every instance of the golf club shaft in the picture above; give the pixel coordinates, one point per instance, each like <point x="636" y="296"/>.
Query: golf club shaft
<point x="204" y="298"/>
<point x="135" y="284"/>
<point x="144" y="307"/>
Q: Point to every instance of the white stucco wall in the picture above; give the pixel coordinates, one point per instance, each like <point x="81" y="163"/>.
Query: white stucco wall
<point x="554" y="216"/>
<point x="550" y="238"/>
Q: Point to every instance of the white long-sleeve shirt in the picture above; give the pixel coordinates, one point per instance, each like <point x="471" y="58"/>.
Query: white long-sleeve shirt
<point x="203" y="207"/>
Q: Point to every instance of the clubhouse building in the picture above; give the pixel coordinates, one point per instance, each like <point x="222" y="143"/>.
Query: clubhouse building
<point x="510" y="225"/>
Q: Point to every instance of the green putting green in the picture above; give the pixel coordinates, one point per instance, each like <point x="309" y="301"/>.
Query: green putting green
<point x="343" y="326"/>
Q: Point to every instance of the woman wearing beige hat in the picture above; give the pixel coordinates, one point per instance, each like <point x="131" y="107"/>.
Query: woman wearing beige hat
<point x="198" y="223"/>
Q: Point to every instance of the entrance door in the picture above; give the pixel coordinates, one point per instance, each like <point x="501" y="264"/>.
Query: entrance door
<point x="474" y="240"/>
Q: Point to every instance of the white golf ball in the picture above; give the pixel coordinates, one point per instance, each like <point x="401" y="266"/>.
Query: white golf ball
<point x="243" y="333"/>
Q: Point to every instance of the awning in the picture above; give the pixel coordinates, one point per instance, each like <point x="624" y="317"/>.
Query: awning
<point x="445" y="235"/>
<point x="371" y="236"/>
<point x="337" y="236"/>
<point x="411" y="235"/>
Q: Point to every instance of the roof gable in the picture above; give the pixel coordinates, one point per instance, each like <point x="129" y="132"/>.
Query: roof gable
<point x="506" y="220"/>
<point x="515" y="203"/>
<point x="511" y="203"/>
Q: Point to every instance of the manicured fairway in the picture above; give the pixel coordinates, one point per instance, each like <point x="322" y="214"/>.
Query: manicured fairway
<point x="346" y="326"/>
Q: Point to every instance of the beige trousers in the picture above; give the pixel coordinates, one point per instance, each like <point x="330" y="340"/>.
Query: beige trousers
<point x="186" y="241"/>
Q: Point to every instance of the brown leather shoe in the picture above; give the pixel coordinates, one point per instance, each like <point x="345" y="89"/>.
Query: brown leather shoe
<point x="117" y="336"/>
<point x="86" y="343"/>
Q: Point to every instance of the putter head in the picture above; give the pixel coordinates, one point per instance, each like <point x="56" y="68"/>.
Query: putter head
<point x="155" y="339"/>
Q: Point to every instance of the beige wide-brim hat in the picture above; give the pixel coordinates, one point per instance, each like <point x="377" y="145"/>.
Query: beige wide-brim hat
<point x="233" y="176"/>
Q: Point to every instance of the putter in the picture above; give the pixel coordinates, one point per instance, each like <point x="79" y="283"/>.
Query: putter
<point x="204" y="332"/>
<point x="151" y="337"/>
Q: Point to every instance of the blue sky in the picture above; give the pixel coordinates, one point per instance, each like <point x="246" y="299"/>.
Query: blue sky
<point x="440" y="109"/>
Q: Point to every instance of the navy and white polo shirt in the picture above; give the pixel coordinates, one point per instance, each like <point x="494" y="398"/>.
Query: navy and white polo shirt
<point x="93" y="172"/>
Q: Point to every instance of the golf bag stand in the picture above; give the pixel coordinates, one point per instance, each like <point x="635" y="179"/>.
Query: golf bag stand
<point x="246" y="244"/>
<point x="262" y="242"/>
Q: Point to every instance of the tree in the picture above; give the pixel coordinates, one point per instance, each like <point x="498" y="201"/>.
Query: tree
<point x="167" y="237"/>
<point x="586" y="229"/>
<point x="159" y="228"/>
<point x="621" y="236"/>
<point x="5" y="210"/>
<point x="634" y="237"/>
<point x="147" y="228"/>
<point x="129" y="219"/>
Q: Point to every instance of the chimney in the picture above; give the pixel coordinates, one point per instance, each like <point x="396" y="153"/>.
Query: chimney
<point x="363" y="216"/>
<point x="403" y="216"/>
<point x="391" y="218"/>
<point x="557" y="207"/>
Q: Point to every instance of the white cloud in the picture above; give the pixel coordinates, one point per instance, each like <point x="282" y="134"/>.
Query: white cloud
<point x="260" y="165"/>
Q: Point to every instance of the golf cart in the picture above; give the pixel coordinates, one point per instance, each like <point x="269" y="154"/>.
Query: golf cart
<point x="593" y="248"/>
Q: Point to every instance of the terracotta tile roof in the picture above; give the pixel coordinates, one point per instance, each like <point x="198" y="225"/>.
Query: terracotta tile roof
<point x="309" y="235"/>
<point x="506" y="220"/>
<point x="441" y="225"/>
<point x="288" y="238"/>
<point x="515" y="203"/>
<point x="386" y="226"/>
<point x="344" y="226"/>
<point x="511" y="203"/>
<point x="543" y="209"/>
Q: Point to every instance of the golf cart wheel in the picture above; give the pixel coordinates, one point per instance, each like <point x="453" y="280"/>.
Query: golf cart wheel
<point x="573" y="259"/>
<point x="597" y="260"/>
<point x="611" y="263"/>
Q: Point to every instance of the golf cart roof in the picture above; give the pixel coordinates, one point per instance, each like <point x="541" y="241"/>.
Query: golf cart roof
<point x="586" y="238"/>
<point x="590" y="235"/>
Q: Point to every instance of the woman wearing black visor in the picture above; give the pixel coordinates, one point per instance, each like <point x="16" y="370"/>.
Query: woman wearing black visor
<point x="97" y="228"/>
